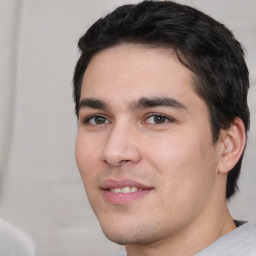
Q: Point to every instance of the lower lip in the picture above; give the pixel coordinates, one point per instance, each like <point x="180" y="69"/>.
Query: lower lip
<point x="124" y="198"/>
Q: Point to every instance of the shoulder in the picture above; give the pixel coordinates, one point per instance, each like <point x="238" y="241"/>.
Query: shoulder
<point x="241" y="241"/>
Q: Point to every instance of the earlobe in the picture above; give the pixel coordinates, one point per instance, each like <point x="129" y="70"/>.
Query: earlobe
<point x="233" y="143"/>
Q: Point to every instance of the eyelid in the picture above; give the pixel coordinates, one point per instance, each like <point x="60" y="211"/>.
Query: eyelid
<point x="168" y="118"/>
<point x="86" y="120"/>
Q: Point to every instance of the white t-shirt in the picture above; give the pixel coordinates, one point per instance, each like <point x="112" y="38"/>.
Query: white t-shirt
<point x="239" y="242"/>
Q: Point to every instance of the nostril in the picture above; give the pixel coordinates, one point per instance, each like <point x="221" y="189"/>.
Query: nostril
<point x="125" y="162"/>
<point x="122" y="162"/>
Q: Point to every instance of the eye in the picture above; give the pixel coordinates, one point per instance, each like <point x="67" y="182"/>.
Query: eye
<point x="158" y="119"/>
<point x="96" y="120"/>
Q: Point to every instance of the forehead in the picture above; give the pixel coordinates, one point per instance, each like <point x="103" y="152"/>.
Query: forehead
<point x="128" y="72"/>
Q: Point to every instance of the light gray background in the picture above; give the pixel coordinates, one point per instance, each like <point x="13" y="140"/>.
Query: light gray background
<point x="41" y="191"/>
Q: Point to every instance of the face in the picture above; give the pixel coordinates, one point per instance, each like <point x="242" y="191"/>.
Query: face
<point x="144" y="145"/>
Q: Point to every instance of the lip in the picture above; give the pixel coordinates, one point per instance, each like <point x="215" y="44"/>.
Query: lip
<point x="111" y="183"/>
<point x="121" y="198"/>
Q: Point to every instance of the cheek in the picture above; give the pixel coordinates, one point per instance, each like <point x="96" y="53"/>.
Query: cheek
<point x="86" y="155"/>
<point x="185" y="165"/>
<point x="87" y="163"/>
<point x="173" y="154"/>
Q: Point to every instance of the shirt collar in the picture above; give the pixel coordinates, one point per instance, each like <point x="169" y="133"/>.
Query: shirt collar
<point x="240" y="241"/>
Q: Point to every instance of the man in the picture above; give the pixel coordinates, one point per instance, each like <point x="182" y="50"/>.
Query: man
<point x="160" y="92"/>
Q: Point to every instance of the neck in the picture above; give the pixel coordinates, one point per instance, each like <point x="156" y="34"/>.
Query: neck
<point x="190" y="240"/>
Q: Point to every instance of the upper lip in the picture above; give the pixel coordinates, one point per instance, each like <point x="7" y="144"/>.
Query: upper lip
<point x="112" y="183"/>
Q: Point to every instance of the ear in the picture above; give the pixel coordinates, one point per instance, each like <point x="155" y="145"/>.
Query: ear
<point x="233" y="143"/>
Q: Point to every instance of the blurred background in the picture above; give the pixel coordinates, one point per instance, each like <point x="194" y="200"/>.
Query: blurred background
<point x="40" y="188"/>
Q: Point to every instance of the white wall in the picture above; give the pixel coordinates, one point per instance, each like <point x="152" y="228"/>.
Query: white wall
<point x="41" y="191"/>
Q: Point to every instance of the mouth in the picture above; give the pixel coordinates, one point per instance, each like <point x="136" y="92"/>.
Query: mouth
<point x="123" y="191"/>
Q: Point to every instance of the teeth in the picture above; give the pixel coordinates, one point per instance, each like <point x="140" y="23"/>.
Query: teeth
<point x="134" y="189"/>
<point x="125" y="190"/>
<point x="116" y="190"/>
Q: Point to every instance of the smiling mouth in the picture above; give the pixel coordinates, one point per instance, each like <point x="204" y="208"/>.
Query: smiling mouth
<point x="125" y="190"/>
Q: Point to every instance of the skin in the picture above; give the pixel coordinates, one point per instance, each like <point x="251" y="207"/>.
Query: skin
<point x="167" y="148"/>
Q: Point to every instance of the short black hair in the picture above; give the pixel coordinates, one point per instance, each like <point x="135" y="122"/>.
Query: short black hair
<point x="202" y="44"/>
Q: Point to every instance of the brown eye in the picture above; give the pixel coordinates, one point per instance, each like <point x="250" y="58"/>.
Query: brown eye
<point x="157" y="119"/>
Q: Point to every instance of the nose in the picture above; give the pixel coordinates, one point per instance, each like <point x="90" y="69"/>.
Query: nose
<point x="121" y="146"/>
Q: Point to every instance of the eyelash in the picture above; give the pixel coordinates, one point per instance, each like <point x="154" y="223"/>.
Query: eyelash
<point x="155" y="115"/>
<point x="89" y="118"/>
<point x="166" y="119"/>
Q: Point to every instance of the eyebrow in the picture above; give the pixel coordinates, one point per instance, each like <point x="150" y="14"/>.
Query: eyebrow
<point x="136" y="105"/>
<point x="93" y="103"/>
<point x="156" y="102"/>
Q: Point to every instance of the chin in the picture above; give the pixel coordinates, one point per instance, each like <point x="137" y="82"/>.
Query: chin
<point x="130" y="234"/>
